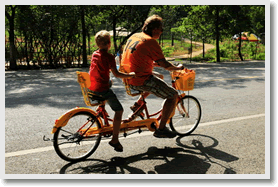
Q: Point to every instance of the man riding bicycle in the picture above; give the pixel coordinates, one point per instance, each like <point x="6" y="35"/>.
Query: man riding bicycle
<point x="141" y="53"/>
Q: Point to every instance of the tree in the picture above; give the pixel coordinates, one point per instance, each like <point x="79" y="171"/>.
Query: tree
<point x="84" y="34"/>
<point x="240" y="22"/>
<point x="217" y="32"/>
<point x="128" y="16"/>
<point x="170" y="14"/>
<point x="201" y="24"/>
<point x="133" y="20"/>
<point x="211" y="16"/>
<point x="10" y="11"/>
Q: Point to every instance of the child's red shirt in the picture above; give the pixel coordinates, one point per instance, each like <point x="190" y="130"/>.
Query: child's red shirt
<point x="101" y="63"/>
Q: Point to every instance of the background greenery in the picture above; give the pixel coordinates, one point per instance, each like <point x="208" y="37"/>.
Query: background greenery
<point x="53" y="36"/>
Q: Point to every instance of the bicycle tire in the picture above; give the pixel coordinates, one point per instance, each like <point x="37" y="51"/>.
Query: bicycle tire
<point x="72" y="146"/>
<point x="184" y="123"/>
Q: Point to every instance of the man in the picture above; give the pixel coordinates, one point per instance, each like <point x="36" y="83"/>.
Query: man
<point x="141" y="53"/>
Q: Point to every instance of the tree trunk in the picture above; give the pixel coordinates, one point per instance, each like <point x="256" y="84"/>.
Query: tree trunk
<point x="84" y="48"/>
<point x="26" y="49"/>
<point x="172" y="35"/>
<point x="239" y="48"/>
<point x="217" y="35"/>
<point x="191" y="47"/>
<point x="11" y="18"/>
<point x="114" y="35"/>
<point x="203" y="48"/>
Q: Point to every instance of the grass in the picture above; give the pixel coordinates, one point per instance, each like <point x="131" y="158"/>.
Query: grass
<point x="179" y="48"/>
<point x="228" y="51"/>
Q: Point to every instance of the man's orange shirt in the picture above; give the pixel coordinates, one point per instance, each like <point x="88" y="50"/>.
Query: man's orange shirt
<point x="139" y="55"/>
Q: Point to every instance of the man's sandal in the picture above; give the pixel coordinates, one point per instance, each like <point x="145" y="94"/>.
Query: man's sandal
<point x="117" y="146"/>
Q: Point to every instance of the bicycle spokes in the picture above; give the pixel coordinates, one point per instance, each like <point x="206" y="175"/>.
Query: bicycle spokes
<point x="187" y="116"/>
<point x="73" y="142"/>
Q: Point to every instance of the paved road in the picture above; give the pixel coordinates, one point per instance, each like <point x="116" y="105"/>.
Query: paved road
<point x="231" y="134"/>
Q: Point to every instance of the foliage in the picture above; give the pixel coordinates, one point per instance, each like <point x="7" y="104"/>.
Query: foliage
<point x="180" y="48"/>
<point x="52" y="35"/>
<point x="219" y="21"/>
<point x="229" y="52"/>
<point x="168" y="50"/>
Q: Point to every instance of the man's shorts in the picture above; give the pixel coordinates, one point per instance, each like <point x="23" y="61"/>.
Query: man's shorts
<point x="156" y="86"/>
<point x="111" y="99"/>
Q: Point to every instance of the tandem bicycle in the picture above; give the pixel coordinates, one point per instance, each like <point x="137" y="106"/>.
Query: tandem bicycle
<point x="78" y="132"/>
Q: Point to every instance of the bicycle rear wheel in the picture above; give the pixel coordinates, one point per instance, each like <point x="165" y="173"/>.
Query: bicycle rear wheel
<point x="70" y="144"/>
<point x="187" y="116"/>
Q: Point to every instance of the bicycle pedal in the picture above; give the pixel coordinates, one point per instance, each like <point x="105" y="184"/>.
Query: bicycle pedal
<point x="107" y="135"/>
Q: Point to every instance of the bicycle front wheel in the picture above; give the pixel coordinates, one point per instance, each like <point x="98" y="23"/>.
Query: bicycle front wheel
<point x="71" y="143"/>
<point x="187" y="116"/>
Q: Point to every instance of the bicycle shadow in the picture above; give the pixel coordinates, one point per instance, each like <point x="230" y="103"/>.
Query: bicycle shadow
<point x="175" y="162"/>
<point x="185" y="159"/>
<point x="208" y="152"/>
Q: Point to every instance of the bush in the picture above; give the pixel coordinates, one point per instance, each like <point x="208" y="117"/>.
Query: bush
<point x="260" y="56"/>
<point x="168" y="50"/>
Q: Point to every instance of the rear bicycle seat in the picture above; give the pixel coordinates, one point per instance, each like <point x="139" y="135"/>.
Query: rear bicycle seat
<point x="131" y="91"/>
<point x="90" y="99"/>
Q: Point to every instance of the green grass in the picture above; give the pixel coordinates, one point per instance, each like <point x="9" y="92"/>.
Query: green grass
<point x="229" y="52"/>
<point x="179" y="48"/>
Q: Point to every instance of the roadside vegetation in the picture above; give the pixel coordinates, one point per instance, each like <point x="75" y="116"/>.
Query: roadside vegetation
<point x="55" y="36"/>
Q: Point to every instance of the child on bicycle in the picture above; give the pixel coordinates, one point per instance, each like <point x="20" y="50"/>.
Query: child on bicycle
<point x="101" y="64"/>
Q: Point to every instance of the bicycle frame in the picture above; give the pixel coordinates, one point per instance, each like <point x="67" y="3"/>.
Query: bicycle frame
<point x="127" y="124"/>
<point x="63" y="120"/>
<point x="106" y="127"/>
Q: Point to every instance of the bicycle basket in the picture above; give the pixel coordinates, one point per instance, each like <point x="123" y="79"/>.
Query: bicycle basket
<point x="185" y="79"/>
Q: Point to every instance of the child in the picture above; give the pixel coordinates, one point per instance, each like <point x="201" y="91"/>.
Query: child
<point x="101" y="64"/>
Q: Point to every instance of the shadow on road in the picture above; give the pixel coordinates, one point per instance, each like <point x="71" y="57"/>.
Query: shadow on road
<point x="184" y="159"/>
<point x="209" y="152"/>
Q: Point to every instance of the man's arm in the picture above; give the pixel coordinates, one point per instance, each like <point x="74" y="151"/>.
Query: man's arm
<point x="168" y="66"/>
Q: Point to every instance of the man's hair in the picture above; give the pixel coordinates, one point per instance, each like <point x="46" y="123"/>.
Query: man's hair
<point x="151" y="23"/>
<point x="102" y="39"/>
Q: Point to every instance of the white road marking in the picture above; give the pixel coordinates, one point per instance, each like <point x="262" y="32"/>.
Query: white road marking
<point x="50" y="148"/>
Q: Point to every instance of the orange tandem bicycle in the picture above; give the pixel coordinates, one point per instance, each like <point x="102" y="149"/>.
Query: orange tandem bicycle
<point x="78" y="132"/>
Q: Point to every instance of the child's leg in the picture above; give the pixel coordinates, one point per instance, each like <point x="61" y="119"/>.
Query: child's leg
<point x="116" y="106"/>
<point x="116" y="126"/>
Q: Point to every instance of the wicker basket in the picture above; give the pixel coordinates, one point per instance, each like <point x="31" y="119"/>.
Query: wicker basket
<point x="184" y="79"/>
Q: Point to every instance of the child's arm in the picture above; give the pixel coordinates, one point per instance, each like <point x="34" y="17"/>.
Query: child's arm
<point x="118" y="74"/>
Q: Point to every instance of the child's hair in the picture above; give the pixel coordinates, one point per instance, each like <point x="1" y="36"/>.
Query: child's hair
<point x="152" y="22"/>
<point x="102" y="39"/>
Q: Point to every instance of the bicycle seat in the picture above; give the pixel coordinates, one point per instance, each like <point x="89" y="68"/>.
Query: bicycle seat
<point x="129" y="90"/>
<point x="83" y="79"/>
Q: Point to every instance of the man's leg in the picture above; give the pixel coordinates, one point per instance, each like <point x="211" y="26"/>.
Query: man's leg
<point x="161" y="89"/>
<point x="146" y="94"/>
<point x="167" y="110"/>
